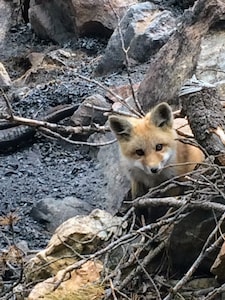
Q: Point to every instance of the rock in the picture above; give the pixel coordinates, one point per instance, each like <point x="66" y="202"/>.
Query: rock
<point x="99" y="17"/>
<point x="52" y="20"/>
<point x="183" y="4"/>
<point x="36" y="59"/>
<point x="145" y="30"/>
<point x="221" y="89"/>
<point x="118" y="185"/>
<point x="188" y="238"/>
<point x="5" y="81"/>
<point x="86" y="115"/>
<point x="52" y="212"/>
<point x="82" y="283"/>
<point x="5" y="20"/>
<point x="211" y="62"/>
<point x="218" y="267"/>
<point x="62" y="21"/>
<point x="78" y="235"/>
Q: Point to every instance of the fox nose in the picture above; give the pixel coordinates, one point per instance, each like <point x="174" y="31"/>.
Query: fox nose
<point x="154" y="170"/>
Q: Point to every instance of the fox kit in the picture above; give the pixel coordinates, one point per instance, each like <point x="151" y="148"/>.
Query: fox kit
<point x="150" y="151"/>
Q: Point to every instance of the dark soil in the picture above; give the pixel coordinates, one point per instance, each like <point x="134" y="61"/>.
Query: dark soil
<point x="47" y="167"/>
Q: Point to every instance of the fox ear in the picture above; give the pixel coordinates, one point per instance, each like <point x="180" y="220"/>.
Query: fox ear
<point x="120" y="126"/>
<point x="161" y="115"/>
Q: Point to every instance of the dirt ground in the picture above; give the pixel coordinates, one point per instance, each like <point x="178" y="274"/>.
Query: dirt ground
<point x="47" y="167"/>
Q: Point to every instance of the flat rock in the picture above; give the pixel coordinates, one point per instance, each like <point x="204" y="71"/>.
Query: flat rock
<point x="52" y="211"/>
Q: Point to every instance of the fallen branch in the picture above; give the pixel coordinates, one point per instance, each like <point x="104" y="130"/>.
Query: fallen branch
<point x="174" y="202"/>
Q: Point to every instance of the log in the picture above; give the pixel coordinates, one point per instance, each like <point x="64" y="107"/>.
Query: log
<point x="200" y="103"/>
<point x="177" y="59"/>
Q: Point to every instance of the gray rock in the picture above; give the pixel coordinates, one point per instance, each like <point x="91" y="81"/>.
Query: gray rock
<point x="118" y="185"/>
<point x="5" y="20"/>
<point x="187" y="239"/>
<point x="53" y="212"/>
<point x="145" y="29"/>
<point x="85" y="115"/>
<point x="211" y="62"/>
<point x="52" y="20"/>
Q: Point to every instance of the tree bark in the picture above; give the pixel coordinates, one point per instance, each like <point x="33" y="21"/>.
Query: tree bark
<point x="177" y="59"/>
<point x="206" y="118"/>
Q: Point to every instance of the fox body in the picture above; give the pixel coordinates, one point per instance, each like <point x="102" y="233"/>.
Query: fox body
<point x="150" y="151"/>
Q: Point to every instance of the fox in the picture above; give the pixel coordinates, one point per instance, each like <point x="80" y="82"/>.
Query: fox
<point x="150" y="150"/>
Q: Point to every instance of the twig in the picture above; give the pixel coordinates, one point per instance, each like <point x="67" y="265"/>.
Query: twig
<point x="150" y="279"/>
<point x="112" y="289"/>
<point x="145" y="262"/>
<point x="126" y="50"/>
<point x="174" y="202"/>
<point x="59" y="136"/>
<point x="120" y="99"/>
<point x="212" y="295"/>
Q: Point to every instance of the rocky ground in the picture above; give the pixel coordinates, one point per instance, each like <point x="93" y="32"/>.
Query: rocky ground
<point x="46" y="167"/>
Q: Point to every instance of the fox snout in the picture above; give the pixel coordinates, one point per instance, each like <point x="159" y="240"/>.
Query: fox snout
<point x="152" y="169"/>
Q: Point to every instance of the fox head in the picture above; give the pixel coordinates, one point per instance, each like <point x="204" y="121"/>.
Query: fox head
<point x="147" y="143"/>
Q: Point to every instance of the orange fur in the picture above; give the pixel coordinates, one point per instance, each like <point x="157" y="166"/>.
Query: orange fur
<point x="150" y="151"/>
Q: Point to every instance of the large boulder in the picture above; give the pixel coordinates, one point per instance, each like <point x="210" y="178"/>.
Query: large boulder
<point x="62" y="21"/>
<point x="211" y="63"/>
<point x="145" y="29"/>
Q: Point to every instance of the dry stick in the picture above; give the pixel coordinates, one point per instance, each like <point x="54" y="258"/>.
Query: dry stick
<point x="108" y="111"/>
<point x="50" y="128"/>
<point x="112" y="289"/>
<point x="205" y="251"/>
<point x="145" y="262"/>
<point x="174" y="202"/>
<point x="215" y="292"/>
<point x="140" y="110"/>
<point x="120" y="99"/>
<point x="150" y="279"/>
<point x="57" y="127"/>
<point x="59" y="136"/>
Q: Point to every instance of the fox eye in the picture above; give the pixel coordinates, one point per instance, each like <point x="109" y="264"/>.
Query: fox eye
<point x="140" y="152"/>
<point x="158" y="147"/>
